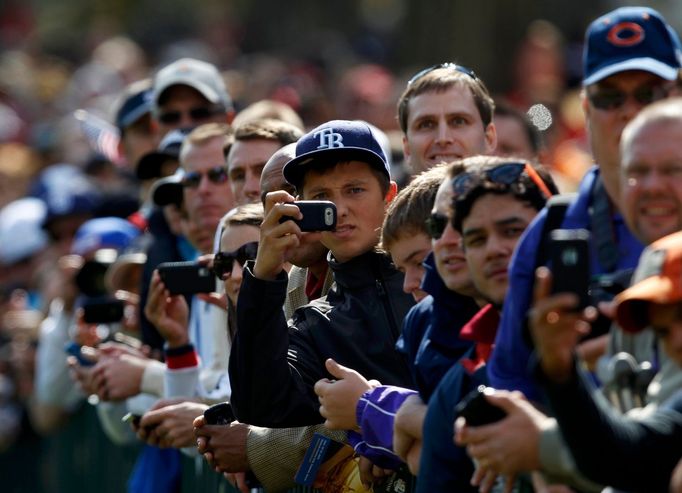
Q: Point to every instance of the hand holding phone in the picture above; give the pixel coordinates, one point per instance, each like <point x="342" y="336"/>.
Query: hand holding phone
<point x="219" y="414"/>
<point x="318" y="215"/>
<point x="476" y="409"/>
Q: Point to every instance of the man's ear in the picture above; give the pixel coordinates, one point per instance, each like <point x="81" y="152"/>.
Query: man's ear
<point x="406" y="149"/>
<point x="392" y="192"/>
<point x="490" y="138"/>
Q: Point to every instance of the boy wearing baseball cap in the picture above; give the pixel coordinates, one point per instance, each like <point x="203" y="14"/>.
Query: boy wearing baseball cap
<point x="273" y="368"/>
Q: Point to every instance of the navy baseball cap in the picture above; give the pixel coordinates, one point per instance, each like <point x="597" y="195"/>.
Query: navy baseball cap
<point x="337" y="140"/>
<point x="136" y="103"/>
<point x="630" y="38"/>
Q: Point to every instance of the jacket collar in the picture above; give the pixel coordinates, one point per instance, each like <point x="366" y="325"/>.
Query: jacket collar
<point x="362" y="270"/>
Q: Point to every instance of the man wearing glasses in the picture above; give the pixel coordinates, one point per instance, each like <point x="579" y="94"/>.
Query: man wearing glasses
<point x="445" y="113"/>
<point x="632" y="58"/>
<point x="188" y="93"/>
<point x="207" y="195"/>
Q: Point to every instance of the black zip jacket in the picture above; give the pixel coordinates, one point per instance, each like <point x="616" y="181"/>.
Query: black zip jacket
<point x="273" y="368"/>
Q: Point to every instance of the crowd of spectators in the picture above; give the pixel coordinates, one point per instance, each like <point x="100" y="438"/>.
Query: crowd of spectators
<point x="225" y="271"/>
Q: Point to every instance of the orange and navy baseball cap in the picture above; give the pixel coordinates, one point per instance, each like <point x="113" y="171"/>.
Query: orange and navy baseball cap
<point x="630" y="38"/>
<point x="658" y="279"/>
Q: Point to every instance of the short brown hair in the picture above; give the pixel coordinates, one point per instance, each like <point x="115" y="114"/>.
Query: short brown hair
<point x="268" y="129"/>
<point x="207" y="132"/>
<point x="268" y="108"/>
<point x="440" y="80"/>
<point x="407" y="213"/>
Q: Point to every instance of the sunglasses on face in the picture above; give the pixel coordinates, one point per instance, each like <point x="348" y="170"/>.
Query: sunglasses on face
<point x="216" y="175"/>
<point x="448" y="65"/>
<point x="224" y="261"/>
<point x="506" y="174"/>
<point x="436" y="224"/>
<point x="196" y="114"/>
<point x="608" y="98"/>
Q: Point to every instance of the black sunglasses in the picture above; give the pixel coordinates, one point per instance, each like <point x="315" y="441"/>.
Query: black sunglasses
<point x="608" y="98"/>
<point x="504" y="174"/>
<point x="216" y="175"/>
<point x="448" y="65"/>
<point x="224" y="261"/>
<point x="436" y="224"/>
<point x="196" y="114"/>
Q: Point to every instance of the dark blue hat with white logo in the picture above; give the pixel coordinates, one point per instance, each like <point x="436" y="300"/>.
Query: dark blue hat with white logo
<point x="630" y="38"/>
<point x="336" y="141"/>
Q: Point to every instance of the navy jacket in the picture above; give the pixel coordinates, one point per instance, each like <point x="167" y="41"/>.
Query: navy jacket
<point x="273" y="368"/>
<point x="430" y="337"/>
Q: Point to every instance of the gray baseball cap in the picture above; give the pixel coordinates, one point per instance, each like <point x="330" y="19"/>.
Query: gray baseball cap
<point x="199" y="75"/>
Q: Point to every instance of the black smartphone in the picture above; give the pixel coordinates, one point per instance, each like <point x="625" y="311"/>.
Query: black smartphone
<point x="187" y="277"/>
<point x="477" y="410"/>
<point x="103" y="310"/>
<point x="318" y="215"/>
<point x="219" y="414"/>
<point x="569" y="255"/>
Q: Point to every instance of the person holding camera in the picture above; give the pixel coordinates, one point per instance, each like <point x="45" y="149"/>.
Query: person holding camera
<point x="647" y="178"/>
<point x="273" y="369"/>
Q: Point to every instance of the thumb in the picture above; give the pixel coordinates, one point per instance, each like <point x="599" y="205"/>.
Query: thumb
<point x="337" y="370"/>
<point x="543" y="284"/>
<point x="503" y="400"/>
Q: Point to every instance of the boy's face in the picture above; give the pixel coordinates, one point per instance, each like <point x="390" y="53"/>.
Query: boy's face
<point x="447" y="250"/>
<point x="490" y="233"/>
<point x="360" y="206"/>
<point x="408" y="252"/>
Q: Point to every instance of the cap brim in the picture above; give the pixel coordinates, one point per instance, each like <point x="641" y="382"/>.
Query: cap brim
<point x="134" y="115"/>
<point x="167" y="191"/>
<point x="655" y="289"/>
<point x="149" y="165"/>
<point x="645" y="64"/>
<point x="294" y="170"/>
<point x="211" y="95"/>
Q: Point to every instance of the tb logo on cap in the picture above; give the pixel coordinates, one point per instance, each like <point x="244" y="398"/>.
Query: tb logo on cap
<point x="329" y="139"/>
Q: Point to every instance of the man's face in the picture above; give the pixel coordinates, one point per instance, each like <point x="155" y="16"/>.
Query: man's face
<point x="512" y="138"/>
<point x="408" y="253"/>
<point x="138" y="140"/>
<point x="245" y="163"/>
<point x="490" y="233"/>
<point x="360" y="206"/>
<point x="651" y="181"/>
<point x="184" y="107"/>
<point x="208" y="201"/>
<point x="447" y="250"/>
<point x="666" y="321"/>
<point x="606" y="125"/>
<point x="444" y="126"/>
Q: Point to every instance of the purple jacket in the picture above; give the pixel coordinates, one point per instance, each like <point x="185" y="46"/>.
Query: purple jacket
<point x="375" y="414"/>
